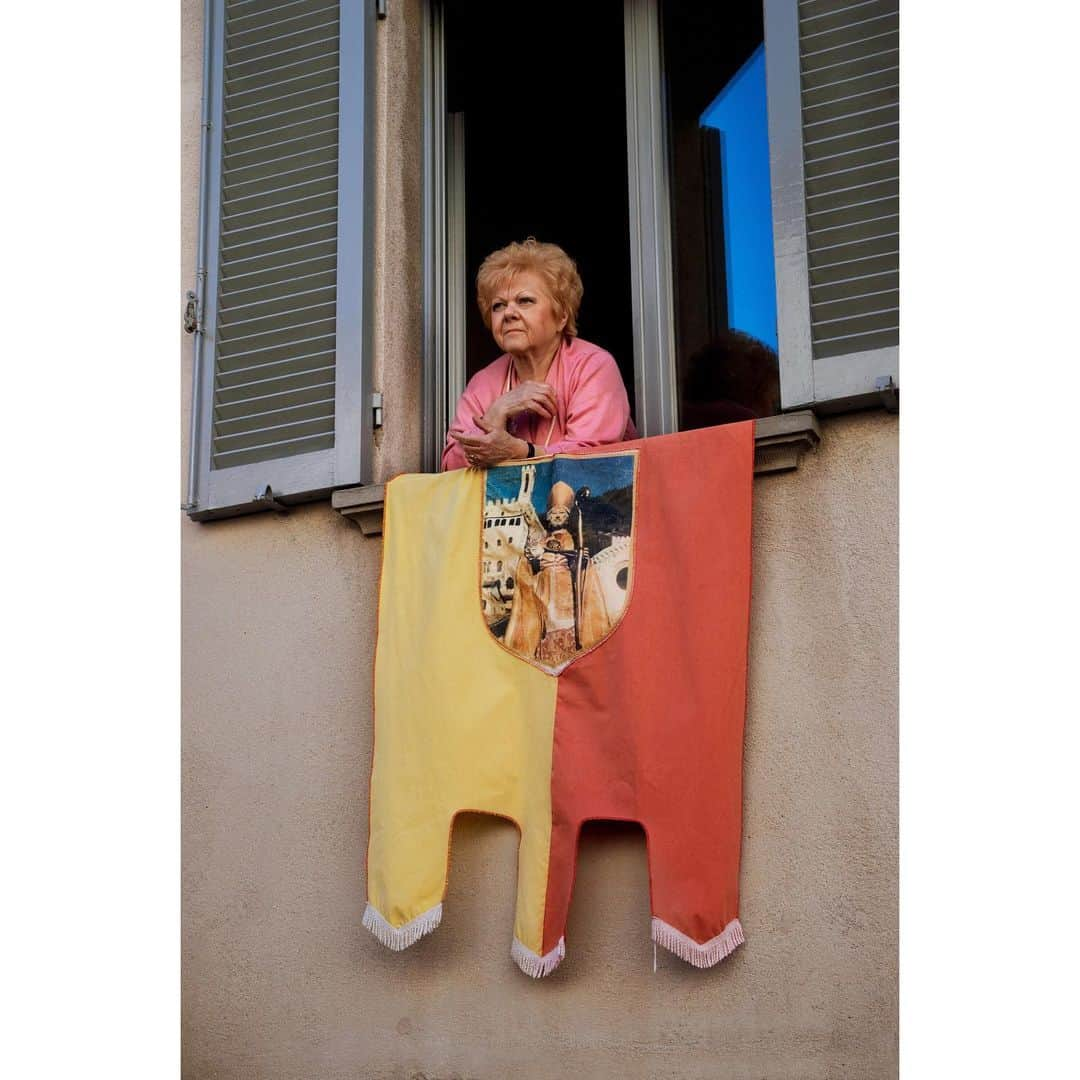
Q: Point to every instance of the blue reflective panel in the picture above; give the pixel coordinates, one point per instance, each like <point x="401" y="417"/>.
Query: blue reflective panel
<point x="721" y="201"/>
<point x="738" y="112"/>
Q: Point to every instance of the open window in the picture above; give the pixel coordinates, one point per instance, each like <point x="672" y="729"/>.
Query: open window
<point x="529" y="110"/>
<point x="725" y="175"/>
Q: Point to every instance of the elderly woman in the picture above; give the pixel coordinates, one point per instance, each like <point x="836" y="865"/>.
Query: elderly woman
<point x="550" y="391"/>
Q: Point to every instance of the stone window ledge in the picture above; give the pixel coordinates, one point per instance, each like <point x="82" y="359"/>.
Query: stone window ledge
<point x="779" y="444"/>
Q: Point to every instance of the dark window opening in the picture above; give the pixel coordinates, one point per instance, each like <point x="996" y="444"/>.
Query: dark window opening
<point x="542" y="91"/>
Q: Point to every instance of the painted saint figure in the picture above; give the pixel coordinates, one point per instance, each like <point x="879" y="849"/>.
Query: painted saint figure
<point x="559" y="608"/>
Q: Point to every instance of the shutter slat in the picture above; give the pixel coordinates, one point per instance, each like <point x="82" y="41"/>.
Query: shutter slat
<point x="838" y="45"/>
<point x="258" y="82"/>
<point x="854" y="343"/>
<point x="310" y="72"/>
<point x="861" y="177"/>
<point x="236" y="13"/>
<point x="321" y="121"/>
<point x="243" y="207"/>
<point x="261" y="118"/>
<point x="318" y="404"/>
<point x="303" y="194"/>
<point x="283" y="313"/>
<point x="849" y="68"/>
<point x="253" y="175"/>
<point x="853" y="243"/>
<point x="250" y="305"/>
<point x="281" y="335"/>
<point x="854" y="214"/>
<point x="855" y="120"/>
<point x="226" y="459"/>
<point x="318" y="47"/>
<point x="315" y="142"/>
<point x="266" y="265"/>
<point x="827" y="291"/>
<point x="849" y="140"/>
<point x="266" y="25"/>
<point x="850" y="15"/>
<point x="297" y="178"/>
<point x="283" y="275"/>
<point x="259" y="391"/>
<point x="242" y="111"/>
<point x="249" y="248"/>
<point x="878" y="76"/>
<point x="261" y="436"/>
<point x="247" y="41"/>
<point x="275" y="352"/>
<point x="845" y="250"/>
<point x="865" y="320"/>
<point x="822" y="271"/>
<point x="322" y="360"/>
<point x="315" y="217"/>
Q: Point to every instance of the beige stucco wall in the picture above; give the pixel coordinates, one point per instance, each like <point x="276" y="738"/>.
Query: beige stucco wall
<point x="281" y="980"/>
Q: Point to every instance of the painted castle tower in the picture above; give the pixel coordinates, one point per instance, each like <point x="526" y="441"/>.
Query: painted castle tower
<point x="510" y="528"/>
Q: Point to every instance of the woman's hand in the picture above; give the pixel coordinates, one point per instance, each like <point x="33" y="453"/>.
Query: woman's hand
<point x="495" y="445"/>
<point x="526" y="397"/>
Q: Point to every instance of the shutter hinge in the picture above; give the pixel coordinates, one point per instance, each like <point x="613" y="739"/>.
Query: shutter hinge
<point x="268" y="500"/>
<point x="380" y="8"/>
<point x="888" y="392"/>
<point x="376" y="410"/>
<point x="191" y="313"/>
<point x="193" y="309"/>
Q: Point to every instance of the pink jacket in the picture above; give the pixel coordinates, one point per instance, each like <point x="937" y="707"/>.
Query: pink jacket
<point x="592" y="407"/>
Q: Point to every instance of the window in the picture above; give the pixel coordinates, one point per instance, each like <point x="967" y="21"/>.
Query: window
<point x="760" y="197"/>
<point x="280" y="405"/>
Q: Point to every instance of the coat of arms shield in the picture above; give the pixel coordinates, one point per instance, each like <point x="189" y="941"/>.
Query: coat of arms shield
<point x="557" y="554"/>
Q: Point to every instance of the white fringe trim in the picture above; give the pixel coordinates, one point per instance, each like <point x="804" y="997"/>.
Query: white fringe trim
<point x="401" y="937"/>
<point x="538" y="966"/>
<point x="686" y="948"/>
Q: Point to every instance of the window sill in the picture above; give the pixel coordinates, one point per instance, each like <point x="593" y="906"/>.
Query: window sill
<point x="779" y="444"/>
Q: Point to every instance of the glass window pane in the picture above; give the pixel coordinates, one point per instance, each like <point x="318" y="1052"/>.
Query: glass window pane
<point x="725" y="333"/>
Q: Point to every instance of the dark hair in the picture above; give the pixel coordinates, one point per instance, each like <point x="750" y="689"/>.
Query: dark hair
<point x="735" y="367"/>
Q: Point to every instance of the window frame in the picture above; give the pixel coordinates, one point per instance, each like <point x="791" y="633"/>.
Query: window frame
<point x="241" y="489"/>
<point x="652" y="275"/>
<point x="829" y="384"/>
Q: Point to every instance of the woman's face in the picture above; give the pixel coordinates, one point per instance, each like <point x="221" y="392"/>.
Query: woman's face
<point x="523" y="318"/>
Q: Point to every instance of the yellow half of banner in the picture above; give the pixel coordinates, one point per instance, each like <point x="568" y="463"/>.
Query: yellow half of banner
<point x="461" y="724"/>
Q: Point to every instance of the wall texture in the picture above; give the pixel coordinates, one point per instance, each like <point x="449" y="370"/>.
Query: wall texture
<point x="280" y="979"/>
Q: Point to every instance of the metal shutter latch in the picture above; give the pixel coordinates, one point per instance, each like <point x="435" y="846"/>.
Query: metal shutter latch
<point x="267" y="499"/>
<point x="888" y="392"/>
<point x="191" y="313"/>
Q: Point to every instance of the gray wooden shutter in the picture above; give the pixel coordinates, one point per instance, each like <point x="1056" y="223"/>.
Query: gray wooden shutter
<point x="833" y="84"/>
<point x="283" y="386"/>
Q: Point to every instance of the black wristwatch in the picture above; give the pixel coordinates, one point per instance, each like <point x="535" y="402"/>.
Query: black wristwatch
<point x="532" y="449"/>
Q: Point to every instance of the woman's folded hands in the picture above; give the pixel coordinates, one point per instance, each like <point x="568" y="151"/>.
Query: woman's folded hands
<point x="494" y="445"/>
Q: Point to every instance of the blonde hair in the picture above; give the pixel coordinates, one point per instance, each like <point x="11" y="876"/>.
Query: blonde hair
<point x="555" y="268"/>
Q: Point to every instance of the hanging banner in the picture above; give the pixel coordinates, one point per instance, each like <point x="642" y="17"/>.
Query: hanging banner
<point x="559" y="640"/>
